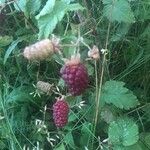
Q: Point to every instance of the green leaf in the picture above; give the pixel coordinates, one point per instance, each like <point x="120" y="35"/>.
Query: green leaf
<point x="5" y="40"/>
<point x="46" y="9"/>
<point x="137" y="146"/>
<point x="123" y="131"/>
<point x="118" y="10"/>
<point x="29" y="7"/>
<point x="11" y="48"/>
<point x="2" y="145"/>
<point x="69" y="140"/>
<point x="121" y="31"/>
<point x="20" y="94"/>
<point x="60" y="147"/>
<point x="145" y="138"/>
<point x="2" y="2"/>
<point x="47" y="20"/>
<point x="72" y="117"/>
<point x="114" y="92"/>
<point x="85" y="133"/>
<point x="20" y="5"/>
<point x="32" y="6"/>
<point x="74" y="7"/>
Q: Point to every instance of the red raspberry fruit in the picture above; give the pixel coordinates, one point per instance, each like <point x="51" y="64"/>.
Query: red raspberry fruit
<point x="75" y="75"/>
<point x="60" y="113"/>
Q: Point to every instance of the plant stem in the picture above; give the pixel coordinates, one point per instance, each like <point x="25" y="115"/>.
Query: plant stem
<point x="101" y="77"/>
<point x="13" y="137"/>
<point x="99" y="88"/>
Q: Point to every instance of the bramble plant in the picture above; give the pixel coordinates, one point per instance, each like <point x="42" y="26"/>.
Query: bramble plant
<point x="74" y="75"/>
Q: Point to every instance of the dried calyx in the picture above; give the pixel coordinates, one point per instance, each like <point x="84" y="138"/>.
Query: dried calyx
<point x="94" y="53"/>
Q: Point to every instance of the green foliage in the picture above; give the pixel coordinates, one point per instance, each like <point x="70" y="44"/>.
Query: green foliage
<point x="145" y="138"/>
<point x="26" y="116"/>
<point x="85" y="133"/>
<point x="10" y="49"/>
<point x="50" y="15"/>
<point x="19" y="94"/>
<point x="115" y="93"/>
<point x="29" y="7"/>
<point x="69" y="140"/>
<point x="60" y="147"/>
<point x="5" y="40"/>
<point x="123" y="131"/>
<point x="118" y="10"/>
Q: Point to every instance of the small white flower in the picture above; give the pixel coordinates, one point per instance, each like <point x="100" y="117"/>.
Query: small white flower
<point x="104" y="51"/>
<point x="105" y="140"/>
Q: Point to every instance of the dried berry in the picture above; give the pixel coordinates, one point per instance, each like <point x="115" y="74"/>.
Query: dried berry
<point x="41" y="50"/>
<point x="60" y="113"/>
<point x="75" y="75"/>
<point x="44" y="87"/>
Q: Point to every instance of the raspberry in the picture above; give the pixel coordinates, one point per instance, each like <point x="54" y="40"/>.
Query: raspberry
<point x="60" y="113"/>
<point x="75" y="75"/>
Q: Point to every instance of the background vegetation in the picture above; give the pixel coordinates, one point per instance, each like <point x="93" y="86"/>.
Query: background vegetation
<point x="118" y="96"/>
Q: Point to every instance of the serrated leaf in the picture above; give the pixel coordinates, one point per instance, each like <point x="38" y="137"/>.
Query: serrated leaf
<point x="114" y="92"/>
<point x="118" y="10"/>
<point x="46" y="9"/>
<point x="123" y="131"/>
<point x="48" y="21"/>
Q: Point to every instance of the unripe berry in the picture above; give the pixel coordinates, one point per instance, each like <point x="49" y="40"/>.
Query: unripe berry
<point x="41" y="50"/>
<point x="60" y="113"/>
